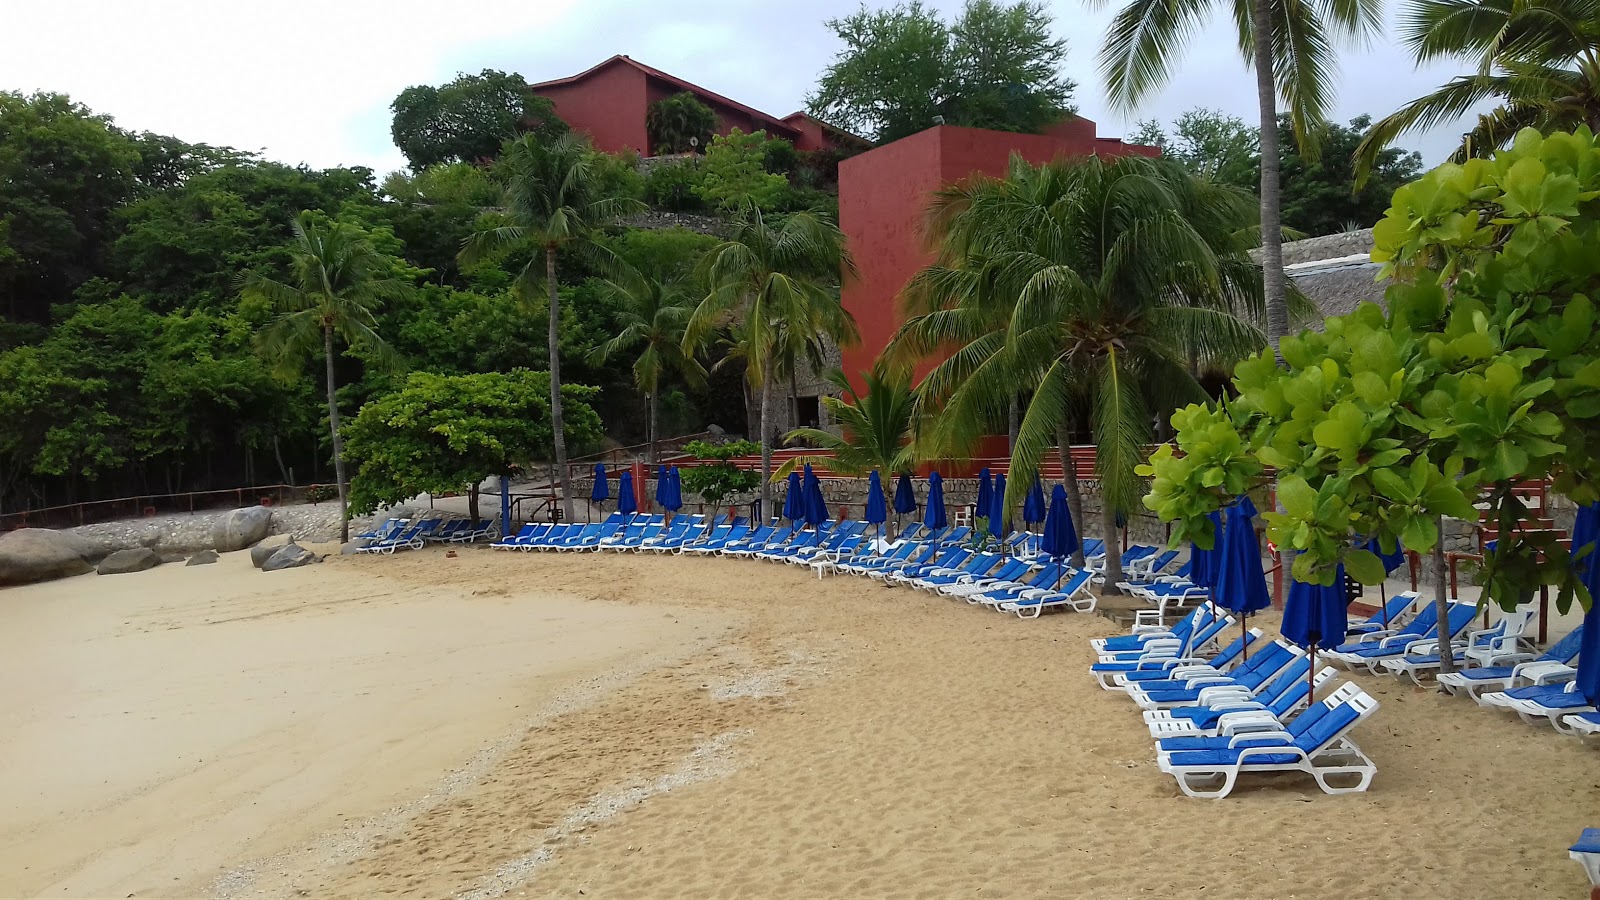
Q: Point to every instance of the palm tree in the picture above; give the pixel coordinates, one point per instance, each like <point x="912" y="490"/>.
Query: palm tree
<point x="876" y="425"/>
<point x="553" y="199"/>
<point x="1289" y="44"/>
<point x="338" y="278"/>
<point x="1539" y="60"/>
<point x="1096" y="285"/>
<point x="653" y="314"/>
<point x="778" y="279"/>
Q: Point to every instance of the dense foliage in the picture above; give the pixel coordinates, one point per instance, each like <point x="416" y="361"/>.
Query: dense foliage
<point x="679" y="124"/>
<point x="736" y="176"/>
<point x="875" y="427"/>
<point x="447" y="433"/>
<point x="1484" y="372"/>
<point x="719" y="479"/>
<point x="1322" y="193"/>
<point x="995" y="66"/>
<point x="466" y="120"/>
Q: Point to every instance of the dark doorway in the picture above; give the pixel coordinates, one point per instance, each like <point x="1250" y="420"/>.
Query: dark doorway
<point x="808" y="413"/>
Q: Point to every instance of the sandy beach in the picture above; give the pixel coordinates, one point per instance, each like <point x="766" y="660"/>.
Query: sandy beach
<point x="625" y="726"/>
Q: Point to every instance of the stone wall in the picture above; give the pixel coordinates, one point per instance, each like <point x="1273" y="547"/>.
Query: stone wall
<point x="660" y="219"/>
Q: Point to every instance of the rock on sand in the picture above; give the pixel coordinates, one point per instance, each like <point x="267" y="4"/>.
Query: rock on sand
<point x="40" y="554"/>
<point x="289" y="556"/>
<point x="203" y="558"/>
<point x="241" y="528"/>
<point x="133" y="559"/>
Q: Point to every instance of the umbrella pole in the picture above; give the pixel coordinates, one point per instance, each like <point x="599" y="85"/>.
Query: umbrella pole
<point x="1311" y="678"/>
<point x="1244" y="636"/>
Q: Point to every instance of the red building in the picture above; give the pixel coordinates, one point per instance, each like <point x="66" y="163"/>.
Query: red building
<point x="883" y="197"/>
<point x="611" y="100"/>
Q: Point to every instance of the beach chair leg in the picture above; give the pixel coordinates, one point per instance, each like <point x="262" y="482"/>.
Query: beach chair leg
<point x="1195" y="784"/>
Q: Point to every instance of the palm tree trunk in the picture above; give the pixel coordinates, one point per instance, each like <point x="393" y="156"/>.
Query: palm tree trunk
<point x="472" y="503"/>
<point x="1108" y="517"/>
<point x="1441" y="602"/>
<point x="766" y="447"/>
<point x="1069" y="480"/>
<point x="1273" y="279"/>
<point x="558" y="422"/>
<point x="338" y="442"/>
<point x="1012" y="426"/>
<point x="654" y="426"/>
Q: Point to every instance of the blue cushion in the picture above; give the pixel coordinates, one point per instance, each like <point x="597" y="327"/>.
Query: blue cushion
<point x="1588" y="842"/>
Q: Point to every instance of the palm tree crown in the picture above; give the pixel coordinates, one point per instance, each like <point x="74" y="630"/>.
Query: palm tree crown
<point x="554" y="200"/>
<point x="1540" y="60"/>
<point x="653" y="314"/>
<point x="337" y="280"/>
<point x="1098" y="286"/>
<point x="779" y="279"/>
<point x="877" y="432"/>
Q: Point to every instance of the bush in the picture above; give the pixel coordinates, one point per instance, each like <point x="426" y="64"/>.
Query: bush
<point x="781" y="158"/>
<point x="675" y="186"/>
<point x="618" y="174"/>
<point x="720" y="480"/>
<point x="736" y="176"/>
<point x="321" y="493"/>
<point x="673" y="122"/>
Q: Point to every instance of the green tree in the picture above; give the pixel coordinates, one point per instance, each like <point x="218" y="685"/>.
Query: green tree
<point x="552" y="203"/>
<point x="1322" y="194"/>
<point x="1290" y="46"/>
<point x="877" y="427"/>
<point x="718" y="480"/>
<point x="736" y="175"/>
<point x="1113" y="277"/>
<point x="1536" y="60"/>
<point x="1210" y="144"/>
<point x="653" y="313"/>
<point x="446" y="433"/>
<point x="996" y="66"/>
<point x="467" y="119"/>
<point x="338" y="280"/>
<point x="778" y="279"/>
<point x="679" y="124"/>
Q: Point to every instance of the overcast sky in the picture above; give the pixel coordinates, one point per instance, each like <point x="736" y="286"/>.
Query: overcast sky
<point x="312" y="81"/>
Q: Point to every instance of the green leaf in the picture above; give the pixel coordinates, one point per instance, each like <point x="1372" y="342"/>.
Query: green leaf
<point x="1297" y="497"/>
<point x="1364" y="566"/>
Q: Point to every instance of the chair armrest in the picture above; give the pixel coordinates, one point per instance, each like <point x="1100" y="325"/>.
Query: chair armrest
<point x="1277" y="734"/>
<point x="1236" y="707"/>
<point x="1398" y="638"/>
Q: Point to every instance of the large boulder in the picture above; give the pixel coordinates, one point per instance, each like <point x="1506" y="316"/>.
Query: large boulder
<point x="40" y="554"/>
<point x="203" y="558"/>
<point x="133" y="559"/>
<point x="289" y="556"/>
<point x="241" y="528"/>
<point x="260" y="553"/>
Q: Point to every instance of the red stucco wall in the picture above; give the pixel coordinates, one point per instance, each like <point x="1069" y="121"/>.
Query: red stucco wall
<point x="609" y="105"/>
<point x="883" y="197"/>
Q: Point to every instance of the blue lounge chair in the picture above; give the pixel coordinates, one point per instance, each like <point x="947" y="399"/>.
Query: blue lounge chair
<point x="1045" y="578"/>
<point x="1077" y="594"/>
<point x="1371" y="657"/>
<point x="1227" y="711"/>
<point x="1296" y="726"/>
<point x="950" y="561"/>
<point x="1162" y="672"/>
<point x="1007" y="575"/>
<point x="1158" y="662"/>
<point x="1143" y="634"/>
<point x="978" y="565"/>
<point x="1322" y="751"/>
<point x="1552" y="706"/>
<point x="1391" y="616"/>
<point x="1186" y="685"/>
<point x="861" y="564"/>
<point x="1423" y="658"/>
<point x="1554" y="665"/>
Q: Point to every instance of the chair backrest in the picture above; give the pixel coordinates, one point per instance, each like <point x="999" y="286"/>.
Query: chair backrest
<point x="1012" y="570"/>
<point x="952" y="558"/>
<point x="1094" y="547"/>
<point x="981" y="563"/>
<point x="1566" y="649"/>
<point x="1265" y="663"/>
<point x="1289" y="688"/>
<point x="1515" y="623"/>
<point x="1461" y="616"/>
<point x="957" y="535"/>
<point x="1332" y="725"/>
<point x="1229" y="654"/>
<point x="1046" y="576"/>
<point x="1423" y="624"/>
<point x="1162" y="561"/>
<point x="1076" y="582"/>
<point x="1206" y="631"/>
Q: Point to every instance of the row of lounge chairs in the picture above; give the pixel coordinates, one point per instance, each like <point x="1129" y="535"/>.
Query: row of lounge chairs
<point x="409" y="534"/>
<point x="1245" y="707"/>
<point x="1013" y="579"/>
<point x="1498" y="667"/>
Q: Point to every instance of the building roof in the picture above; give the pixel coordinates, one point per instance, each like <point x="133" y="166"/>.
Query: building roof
<point x="1335" y="270"/>
<point x="651" y="71"/>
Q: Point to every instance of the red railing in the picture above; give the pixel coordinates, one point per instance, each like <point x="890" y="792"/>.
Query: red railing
<point x="145" y="505"/>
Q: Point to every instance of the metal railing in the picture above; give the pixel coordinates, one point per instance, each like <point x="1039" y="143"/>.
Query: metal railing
<point x="145" y="505"/>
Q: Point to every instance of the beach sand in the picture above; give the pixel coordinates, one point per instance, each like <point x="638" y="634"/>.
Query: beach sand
<point x="679" y="727"/>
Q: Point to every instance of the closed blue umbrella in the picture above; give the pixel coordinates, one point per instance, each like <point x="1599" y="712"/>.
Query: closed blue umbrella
<point x="877" y="511"/>
<point x="662" y="485"/>
<point x="985" y="494"/>
<point x="794" y="504"/>
<point x="602" y="488"/>
<point x="905" y="499"/>
<point x="1241" y="585"/>
<point x="1203" y="563"/>
<point x="997" y="508"/>
<point x="1033" y="509"/>
<point x="627" y="504"/>
<point x="1587" y="529"/>
<point x="671" y="496"/>
<point x="1316" y="615"/>
<point x="1391" y="561"/>
<point x="1060" y="539"/>
<point x="816" y="509"/>
<point x="934" y="516"/>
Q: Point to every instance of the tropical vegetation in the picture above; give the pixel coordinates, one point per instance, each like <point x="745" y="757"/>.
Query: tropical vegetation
<point x="1100" y="288"/>
<point x="679" y="124"/>
<point x="874" y="426"/>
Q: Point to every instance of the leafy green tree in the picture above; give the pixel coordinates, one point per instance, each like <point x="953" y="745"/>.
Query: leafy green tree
<point x="652" y="315"/>
<point x="736" y="176"/>
<point x="456" y="184"/>
<point x="1289" y="44"/>
<point x="552" y="203"/>
<point x="679" y="124"/>
<point x="65" y="170"/>
<point x="338" y="280"/>
<point x="467" y="119"/>
<point x="1210" y="144"/>
<point x="1322" y="194"/>
<point x="996" y="66"/>
<point x="721" y="479"/>
<point x="1388" y="421"/>
<point x="1537" y="61"/>
<point x="876" y="425"/>
<point x="778" y="279"/>
<point x="447" y="433"/>
<point x="1112" y="277"/>
<point x="675" y="186"/>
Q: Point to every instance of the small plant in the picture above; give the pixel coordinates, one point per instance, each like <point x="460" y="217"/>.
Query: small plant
<point x="721" y="479"/>
<point x="321" y="493"/>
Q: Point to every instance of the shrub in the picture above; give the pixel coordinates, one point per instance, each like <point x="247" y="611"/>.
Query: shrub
<point x="675" y="186"/>
<point x="672" y="123"/>
<point x="720" y="480"/>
